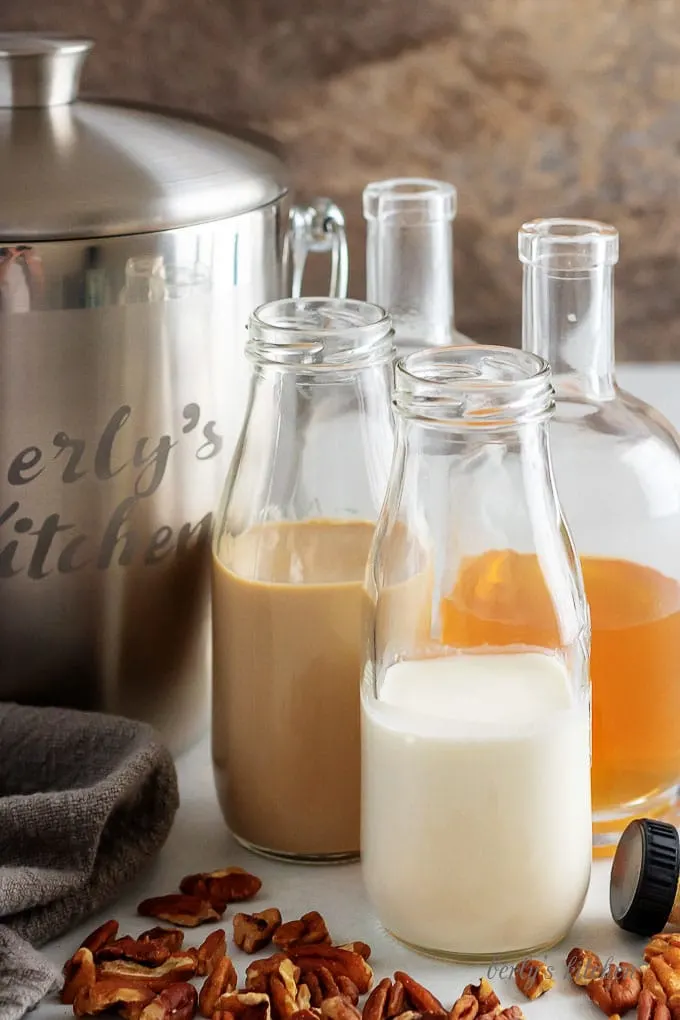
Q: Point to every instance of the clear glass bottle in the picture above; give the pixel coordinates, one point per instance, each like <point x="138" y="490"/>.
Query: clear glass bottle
<point x="409" y="259"/>
<point x="289" y="556"/>
<point x="476" y="838"/>
<point x="617" y="465"/>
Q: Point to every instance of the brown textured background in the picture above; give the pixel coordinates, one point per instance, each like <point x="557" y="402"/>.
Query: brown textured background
<point x="531" y="107"/>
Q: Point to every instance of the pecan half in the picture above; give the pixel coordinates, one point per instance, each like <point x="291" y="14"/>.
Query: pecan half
<point x="618" y="990"/>
<point x="148" y="952"/>
<point x="533" y="978"/>
<point x="650" y="1008"/>
<point x="310" y="929"/>
<point x="485" y="996"/>
<point x="362" y="948"/>
<point x="108" y="994"/>
<point x="584" y="966"/>
<point x="253" y="932"/>
<point x="465" y="1008"/>
<point x="387" y="1000"/>
<point x="187" y="911"/>
<point x="220" y="981"/>
<point x="100" y="936"/>
<point x="339" y="1008"/>
<point x="259" y="971"/>
<point x="659" y="944"/>
<point x="211" y="951"/>
<point x="283" y="991"/>
<point x="668" y="978"/>
<point x="229" y="885"/>
<point x="176" y="1002"/>
<point x="651" y="982"/>
<point x="418" y="997"/>
<point x="337" y="961"/>
<point x="180" y="967"/>
<point x="347" y="988"/>
<point x="242" y="1006"/>
<point x="171" y="938"/>
<point x="80" y="973"/>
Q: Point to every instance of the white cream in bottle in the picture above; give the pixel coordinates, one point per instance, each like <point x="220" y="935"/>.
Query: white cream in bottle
<point x="476" y="821"/>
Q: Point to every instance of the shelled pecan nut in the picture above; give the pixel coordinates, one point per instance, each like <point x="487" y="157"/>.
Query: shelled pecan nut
<point x="177" y="968"/>
<point x="79" y="973"/>
<point x="171" y="938"/>
<point x="310" y="929"/>
<point x="584" y="966"/>
<point x="339" y="1008"/>
<point x="306" y="1014"/>
<point x="283" y="991"/>
<point x="259" y="971"/>
<point x="362" y="948"/>
<point x="387" y="1000"/>
<point x="100" y="936"/>
<point x="533" y="978"/>
<point x="650" y="1008"/>
<point x="464" y="1008"/>
<point x="253" y="932"/>
<point x="242" y="1006"/>
<point x="221" y="981"/>
<point x="151" y="953"/>
<point x="347" y="988"/>
<point x="668" y="980"/>
<point x="228" y="885"/>
<point x="660" y="944"/>
<point x="176" y="1002"/>
<point x="618" y="990"/>
<point x="176" y="908"/>
<point x="108" y="994"/>
<point x="418" y="997"/>
<point x="211" y="951"/>
<point x="485" y="996"/>
<point x="337" y="961"/>
<point x="651" y="982"/>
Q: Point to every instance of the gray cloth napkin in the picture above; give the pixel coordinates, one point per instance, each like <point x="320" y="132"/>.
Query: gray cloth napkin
<point x="85" y="801"/>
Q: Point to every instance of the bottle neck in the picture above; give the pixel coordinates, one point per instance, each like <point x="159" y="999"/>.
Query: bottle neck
<point x="568" y="319"/>
<point x="409" y="272"/>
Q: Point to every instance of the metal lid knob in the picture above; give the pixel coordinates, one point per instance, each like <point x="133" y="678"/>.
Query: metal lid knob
<point x="38" y="70"/>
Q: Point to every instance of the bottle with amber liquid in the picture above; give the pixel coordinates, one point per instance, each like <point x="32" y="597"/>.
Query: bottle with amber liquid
<point x="617" y="467"/>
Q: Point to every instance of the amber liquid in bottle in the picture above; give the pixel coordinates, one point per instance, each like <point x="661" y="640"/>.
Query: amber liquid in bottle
<point x="500" y="599"/>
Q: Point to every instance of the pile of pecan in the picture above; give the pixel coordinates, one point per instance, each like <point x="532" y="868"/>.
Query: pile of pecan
<point x="306" y="978"/>
<point x="653" y="989"/>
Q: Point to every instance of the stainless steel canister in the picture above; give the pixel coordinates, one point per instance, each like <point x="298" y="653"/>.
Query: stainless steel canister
<point x="133" y="246"/>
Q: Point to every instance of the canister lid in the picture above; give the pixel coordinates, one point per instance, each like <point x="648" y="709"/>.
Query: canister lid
<point x="75" y="169"/>
<point x="644" y="878"/>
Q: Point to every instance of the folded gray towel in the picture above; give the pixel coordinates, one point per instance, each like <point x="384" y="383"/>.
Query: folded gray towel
<point x="85" y="802"/>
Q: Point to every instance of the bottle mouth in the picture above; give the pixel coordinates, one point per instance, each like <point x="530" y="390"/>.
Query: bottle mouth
<point x="410" y="201"/>
<point x="566" y="245"/>
<point x="323" y="333"/>
<point x="474" y="387"/>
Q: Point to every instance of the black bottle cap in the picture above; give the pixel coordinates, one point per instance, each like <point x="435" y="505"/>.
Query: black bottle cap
<point x="644" y="879"/>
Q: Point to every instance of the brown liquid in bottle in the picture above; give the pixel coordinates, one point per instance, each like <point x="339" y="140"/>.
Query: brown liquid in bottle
<point x="288" y="602"/>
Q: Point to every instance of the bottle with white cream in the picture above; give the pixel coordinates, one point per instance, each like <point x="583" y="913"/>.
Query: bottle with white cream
<point x="476" y="823"/>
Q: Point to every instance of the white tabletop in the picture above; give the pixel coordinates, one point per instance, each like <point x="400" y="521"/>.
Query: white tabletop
<point x="199" y="842"/>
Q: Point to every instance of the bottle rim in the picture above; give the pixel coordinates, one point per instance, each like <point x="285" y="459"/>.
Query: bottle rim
<point x="474" y="387"/>
<point x="566" y="245"/>
<point x="321" y="333"/>
<point x="410" y="201"/>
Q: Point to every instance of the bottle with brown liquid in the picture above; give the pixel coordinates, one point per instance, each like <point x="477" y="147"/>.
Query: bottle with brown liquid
<point x="289" y="558"/>
<point x="617" y="468"/>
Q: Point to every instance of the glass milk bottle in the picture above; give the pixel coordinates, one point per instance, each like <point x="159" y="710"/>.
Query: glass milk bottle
<point x="476" y="839"/>
<point x="409" y="259"/>
<point x="289" y="558"/>
<point x="617" y="466"/>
